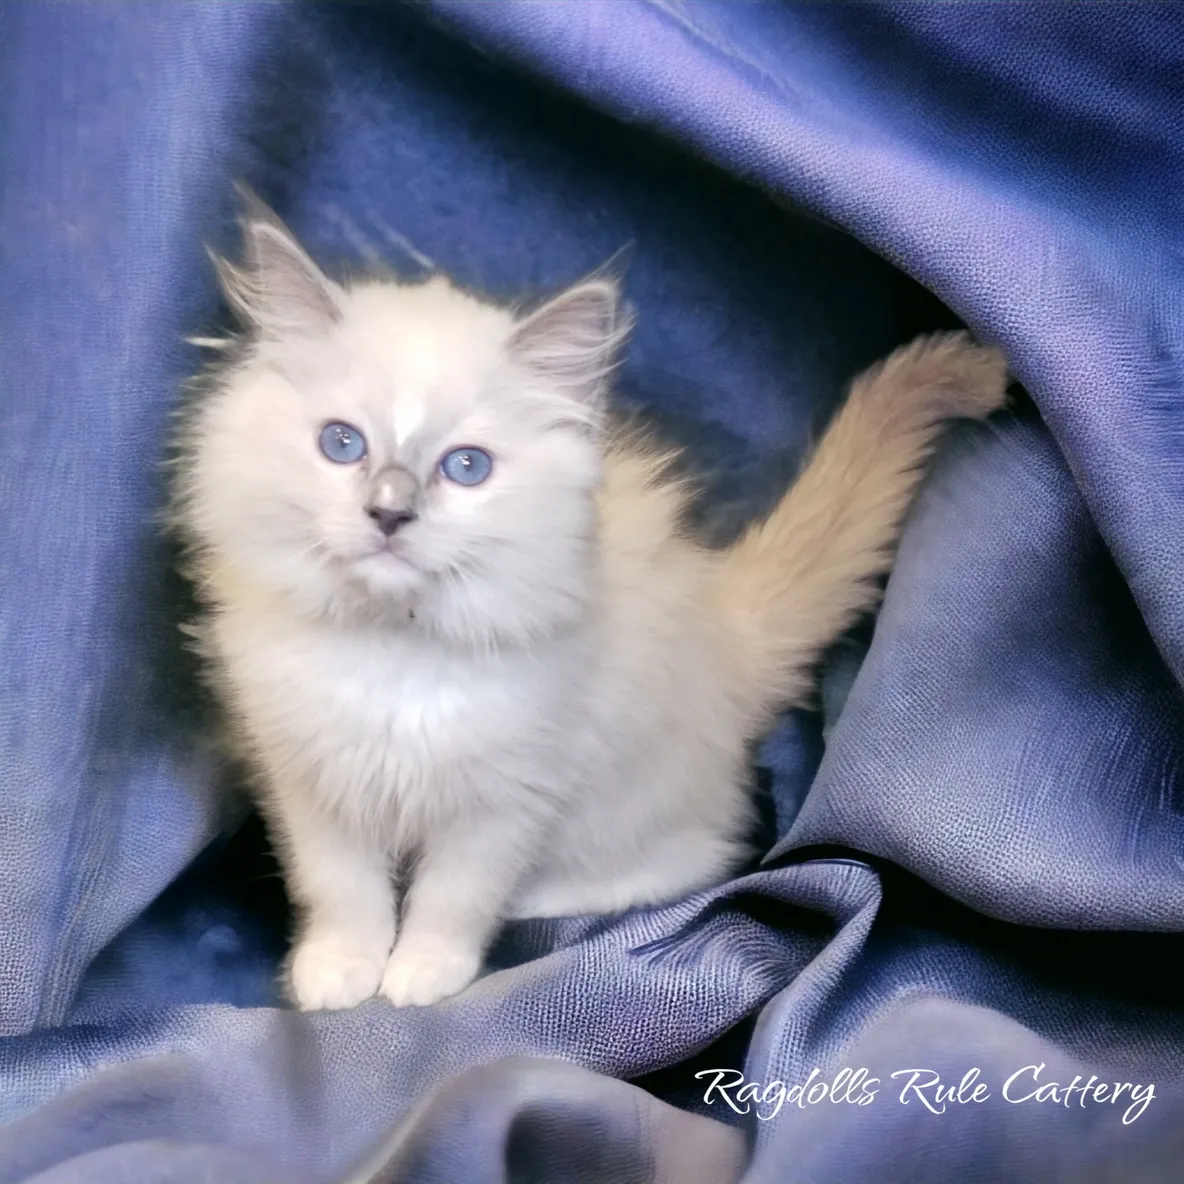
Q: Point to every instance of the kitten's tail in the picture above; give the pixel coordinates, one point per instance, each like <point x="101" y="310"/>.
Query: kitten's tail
<point x="795" y="582"/>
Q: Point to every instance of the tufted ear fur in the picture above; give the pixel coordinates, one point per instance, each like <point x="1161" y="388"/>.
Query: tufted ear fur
<point x="277" y="289"/>
<point x="572" y="341"/>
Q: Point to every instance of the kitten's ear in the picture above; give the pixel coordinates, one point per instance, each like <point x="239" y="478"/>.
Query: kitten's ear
<point x="277" y="289"/>
<point x="572" y="341"/>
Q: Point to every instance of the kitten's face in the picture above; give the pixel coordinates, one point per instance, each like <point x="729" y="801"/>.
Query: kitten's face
<point x="406" y="453"/>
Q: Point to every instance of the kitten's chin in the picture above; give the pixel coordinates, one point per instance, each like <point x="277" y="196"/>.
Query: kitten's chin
<point x="378" y="590"/>
<point x="387" y="574"/>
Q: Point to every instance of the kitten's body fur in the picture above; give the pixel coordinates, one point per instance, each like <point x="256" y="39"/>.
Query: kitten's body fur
<point x="542" y="704"/>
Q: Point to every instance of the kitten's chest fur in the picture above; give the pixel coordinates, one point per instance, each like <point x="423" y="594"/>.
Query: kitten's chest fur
<point x="378" y="725"/>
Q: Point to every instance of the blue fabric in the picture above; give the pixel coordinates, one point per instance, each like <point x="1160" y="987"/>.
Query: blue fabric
<point x="981" y="866"/>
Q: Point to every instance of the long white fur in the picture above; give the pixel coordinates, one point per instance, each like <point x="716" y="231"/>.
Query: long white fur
<point x="538" y="700"/>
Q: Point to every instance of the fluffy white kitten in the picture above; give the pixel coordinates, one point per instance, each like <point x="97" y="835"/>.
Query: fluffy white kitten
<point x="516" y="692"/>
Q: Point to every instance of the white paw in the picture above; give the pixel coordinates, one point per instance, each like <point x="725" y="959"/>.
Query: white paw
<point x="329" y="974"/>
<point x="426" y="969"/>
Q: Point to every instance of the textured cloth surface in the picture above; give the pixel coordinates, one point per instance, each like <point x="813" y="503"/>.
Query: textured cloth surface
<point x="981" y="868"/>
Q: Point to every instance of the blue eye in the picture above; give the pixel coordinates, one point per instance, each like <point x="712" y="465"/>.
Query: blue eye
<point x="342" y="443"/>
<point x="466" y="466"/>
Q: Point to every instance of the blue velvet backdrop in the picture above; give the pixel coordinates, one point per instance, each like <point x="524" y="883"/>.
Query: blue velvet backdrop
<point x="985" y="867"/>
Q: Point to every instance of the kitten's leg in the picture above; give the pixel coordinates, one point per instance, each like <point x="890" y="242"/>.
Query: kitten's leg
<point x="342" y="886"/>
<point x="458" y="895"/>
<point x="670" y="866"/>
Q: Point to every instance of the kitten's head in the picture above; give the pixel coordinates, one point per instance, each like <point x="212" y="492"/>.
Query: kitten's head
<point x="404" y="453"/>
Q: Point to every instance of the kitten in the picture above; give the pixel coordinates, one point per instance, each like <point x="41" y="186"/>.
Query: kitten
<point x="458" y="630"/>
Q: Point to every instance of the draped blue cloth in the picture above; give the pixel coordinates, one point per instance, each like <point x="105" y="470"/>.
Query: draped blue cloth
<point x="976" y="847"/>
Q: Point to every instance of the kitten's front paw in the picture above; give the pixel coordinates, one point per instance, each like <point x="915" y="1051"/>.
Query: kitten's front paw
<point x="426" y="969"/>
<point x="328" y="975"/>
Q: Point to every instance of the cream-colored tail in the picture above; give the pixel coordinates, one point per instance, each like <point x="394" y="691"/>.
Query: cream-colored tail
<point x="796" y="581"/>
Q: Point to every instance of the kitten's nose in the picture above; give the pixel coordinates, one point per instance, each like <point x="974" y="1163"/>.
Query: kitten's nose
<point x="390" y="520"/>
<point x="393" y="493"/>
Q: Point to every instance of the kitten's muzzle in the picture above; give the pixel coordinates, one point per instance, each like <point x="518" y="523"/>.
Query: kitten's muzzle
<point x="393" y="496"/>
